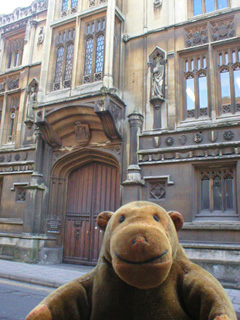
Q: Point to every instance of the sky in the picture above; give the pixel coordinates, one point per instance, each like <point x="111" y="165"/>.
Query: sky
<point x="7" y="6"/>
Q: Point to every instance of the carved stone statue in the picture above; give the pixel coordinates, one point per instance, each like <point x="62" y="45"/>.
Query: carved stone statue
<point x="40" y="36"/>
<point x="158" y="77"/>
<point x="32" y="102"/>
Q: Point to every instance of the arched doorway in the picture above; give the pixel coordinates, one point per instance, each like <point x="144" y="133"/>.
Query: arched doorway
<point x="92" y="188"/>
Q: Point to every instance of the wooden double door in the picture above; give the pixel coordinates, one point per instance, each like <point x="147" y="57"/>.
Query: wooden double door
<point x="91" y="189"/>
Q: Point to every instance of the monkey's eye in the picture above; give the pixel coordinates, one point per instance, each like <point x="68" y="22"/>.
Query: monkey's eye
<point x="121" y="219"/>
<point x="156" y="217"/>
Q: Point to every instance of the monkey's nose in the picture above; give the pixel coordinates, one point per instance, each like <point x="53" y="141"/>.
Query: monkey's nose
<point x="139" y="240"/>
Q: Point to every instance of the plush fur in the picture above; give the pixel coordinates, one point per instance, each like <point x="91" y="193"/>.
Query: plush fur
<point x="142" y="273"/>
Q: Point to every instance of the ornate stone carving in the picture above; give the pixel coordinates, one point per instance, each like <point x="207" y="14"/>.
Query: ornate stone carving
<point x="212" y="136"/>
<point x="126" y="37"/>
<point x="157" y="190"/>
<point x="157" y="63"/>
<point x="12" y="83"/>
<point x="20" y="194"/>
<point x="82" y="133"/>
<point x="183" y="139"/>
<point x="228" y="135"/>
<point x="40" y="36"/>
<point x="169" y="141"/>
<point x="2" y="86"/>
<point x="32" y="99"/>
<point x="196" y="35"/>
<point x="156" y="142"/>
<point x="157" y="3"/>
<point x="17" y="156"/>
<point x="222" y="29"/>
<point x="198" y="138"/>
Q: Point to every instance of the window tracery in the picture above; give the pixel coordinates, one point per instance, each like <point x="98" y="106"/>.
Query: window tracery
<point x="14" y="53"/>
<point x="64" y="59"/>
<point x="94" y="51"/>
<point x="229" y="80"/>
<point x="196" y="87"/>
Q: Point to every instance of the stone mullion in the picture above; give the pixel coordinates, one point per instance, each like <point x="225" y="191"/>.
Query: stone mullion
<point x="231" y="81"/>
<point x="196" y="89"/>
<point x="75" y="52"/>
<point x="2" y="136"/>
<point x="109" y="44"/>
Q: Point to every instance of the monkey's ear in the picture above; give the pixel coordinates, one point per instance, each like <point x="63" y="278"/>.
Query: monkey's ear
<point x="103" y="218"/>
<point x="177" y="219"/>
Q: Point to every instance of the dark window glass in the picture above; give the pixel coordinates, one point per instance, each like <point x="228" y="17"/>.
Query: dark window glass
<point x="217" y="193"/>
<point x="229" y="193"/>
<point x="69" y="62"/>
<point x="197" y="7"/>
<point x="202" y="85"/>
<point x="64" y="5"/>
<point x="205" y="194"/>
<point x="190" y="93"/>
<point x="88" y="56"/>
<point x="59" y="65"/>
<point x="210" y="6"/>
<point x="99" y="54"/>
<point x="222" y="4"/>
<point x="9" y="60"/>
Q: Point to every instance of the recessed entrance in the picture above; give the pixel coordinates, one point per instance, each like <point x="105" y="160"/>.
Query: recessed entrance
<point x="91" y="189"/>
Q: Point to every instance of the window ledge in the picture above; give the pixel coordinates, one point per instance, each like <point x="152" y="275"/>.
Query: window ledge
<point x="210" y="225"/>
<point x="11" y="221"/>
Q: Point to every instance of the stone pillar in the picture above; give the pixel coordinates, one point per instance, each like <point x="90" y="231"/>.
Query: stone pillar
<point x="157" y="110"/>
<point x="36" y="192"/>
<point x="134" y="182"/>
<point x="109" y="44"/>
<point x="33" y="25"/>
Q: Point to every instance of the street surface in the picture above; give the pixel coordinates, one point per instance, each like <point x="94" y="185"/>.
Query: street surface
<point x="17" y="299"/>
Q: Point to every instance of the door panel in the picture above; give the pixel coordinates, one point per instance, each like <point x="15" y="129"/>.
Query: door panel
<point x="91" y="189"/>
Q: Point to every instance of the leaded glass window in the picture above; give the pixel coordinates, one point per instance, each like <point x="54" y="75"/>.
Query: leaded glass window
<point x="99" y="54"/>
<point x="64" y="5"/>
<point x="229" y="80"/>
<point x="196" y="91"/>
<point x="59" y="65"/>
<point x="205" y="6"/>
<point x="74" y="3"/>
<point x="217" y="190"/>
<point x="69" y="62"/>
<point x="88" y="56"/>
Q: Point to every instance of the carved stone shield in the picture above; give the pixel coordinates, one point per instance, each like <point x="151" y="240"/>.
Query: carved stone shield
<point x="82" y="133"/>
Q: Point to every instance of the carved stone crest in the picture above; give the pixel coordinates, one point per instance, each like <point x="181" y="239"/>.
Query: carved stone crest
<point x="40" y="36"/>
<point x="157" y="3"/>
<point x="183" y="139"/>
<point x="196" y="35"/>
<point x="82" y="133"/>
<point x="169" y="141"/>
<point x="228" y="135"/>
<point x="156" y="142"/>
<point x="198" y="138"/>
<point x="222" y="29"/>
<point x="212" y="136"/>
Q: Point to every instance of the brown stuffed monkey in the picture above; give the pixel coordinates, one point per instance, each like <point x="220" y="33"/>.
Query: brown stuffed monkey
<point x="142" y="274"/>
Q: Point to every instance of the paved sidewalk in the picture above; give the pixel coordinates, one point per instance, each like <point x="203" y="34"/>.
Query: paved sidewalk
<point x="56" y="275"/>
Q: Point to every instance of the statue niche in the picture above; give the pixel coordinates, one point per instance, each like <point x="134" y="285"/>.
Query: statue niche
<point x="32" y="103"/>
<point x="157" y="61"/>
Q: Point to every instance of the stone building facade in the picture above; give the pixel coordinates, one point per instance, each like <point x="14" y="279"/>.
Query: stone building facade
<point x="103" y="102"/>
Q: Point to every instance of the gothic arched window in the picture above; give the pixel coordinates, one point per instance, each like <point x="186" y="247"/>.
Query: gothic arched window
<point x="59" y="65"/>
<point x="99" y="54"/>
<point x="94" y="51"/>
<point x="64" y="5"/>
<point x="68" y="65"/>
